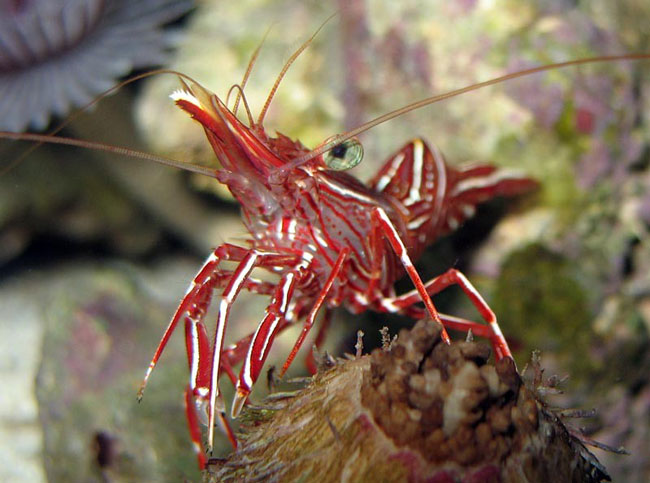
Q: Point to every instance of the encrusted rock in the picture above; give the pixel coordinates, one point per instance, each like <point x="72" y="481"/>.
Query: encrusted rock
<point x="421" y="411"/>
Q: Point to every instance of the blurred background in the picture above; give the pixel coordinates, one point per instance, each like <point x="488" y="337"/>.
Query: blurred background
<point x="97" y="250"/>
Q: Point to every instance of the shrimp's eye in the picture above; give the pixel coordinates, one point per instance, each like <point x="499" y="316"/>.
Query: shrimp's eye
<point x="344" y="156"/>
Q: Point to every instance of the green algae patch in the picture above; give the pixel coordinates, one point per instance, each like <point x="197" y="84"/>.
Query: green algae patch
<point x="541" y="304"/>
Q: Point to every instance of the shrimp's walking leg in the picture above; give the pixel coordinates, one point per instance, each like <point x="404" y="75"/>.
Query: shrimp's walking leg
<point x="199" y="356"/>
<point x="454" y="277"/>
<point x="309" y="321"/>
<point x="262" y="340"/>
<point x="207" y="271"/>
<point x="238" y="280"/>
<point x="193" y="424"/>
<point x="199" y="353"/>
<point x="382" y="222"/>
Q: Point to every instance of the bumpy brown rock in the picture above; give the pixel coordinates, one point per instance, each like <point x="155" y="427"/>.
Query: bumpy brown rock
<point x="420" y="411"/>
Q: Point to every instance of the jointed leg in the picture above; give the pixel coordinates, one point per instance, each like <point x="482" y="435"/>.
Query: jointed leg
<point x="199" y="356"/>
<point x="381" y="221"/>
<point x="192" y="413"/>
<point x="193" y="424"/>
<point x="274" y="321"/>
<point x="196" y="337"/>
<point x="239" y="276"/>
<point x="194" y="306"/>
<point x="262" y="340"/>
<point x="237" y="282"/>
<point x="311" y="317"/>
<point x="454" y="277"/>
<point x="450" y="321"/>
<point x="209" y="268"/>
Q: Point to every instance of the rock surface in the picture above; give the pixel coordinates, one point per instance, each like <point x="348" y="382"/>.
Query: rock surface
<point x="419" y="411"/>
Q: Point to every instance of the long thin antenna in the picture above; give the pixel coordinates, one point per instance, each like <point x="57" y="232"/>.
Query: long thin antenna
<point x="284" y="70"/>
<point x="247" y="74"/>
<point x="339" y="138"/>
<point x="122" y="151"/>
<point x="240" y="94"/>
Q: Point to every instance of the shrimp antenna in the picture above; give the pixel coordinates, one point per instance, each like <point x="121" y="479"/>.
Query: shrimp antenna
<point x="240" y="95"/>
<point x="122" y="151"/>
<point x="249" y="68"/>
<point x="339" y="138"/>
<point x="50" y="137"/>
<point x="284" y="70"/>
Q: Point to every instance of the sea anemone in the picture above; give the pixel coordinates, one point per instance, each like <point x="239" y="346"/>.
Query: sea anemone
<point x="56" y="54"/>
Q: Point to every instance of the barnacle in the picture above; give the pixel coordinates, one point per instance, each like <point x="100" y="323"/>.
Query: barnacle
<point x="421" y="411"/>
<point x="61" y="53"/>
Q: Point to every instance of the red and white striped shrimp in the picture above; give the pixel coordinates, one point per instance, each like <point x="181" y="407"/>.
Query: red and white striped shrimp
<point x="330" y="239"/>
